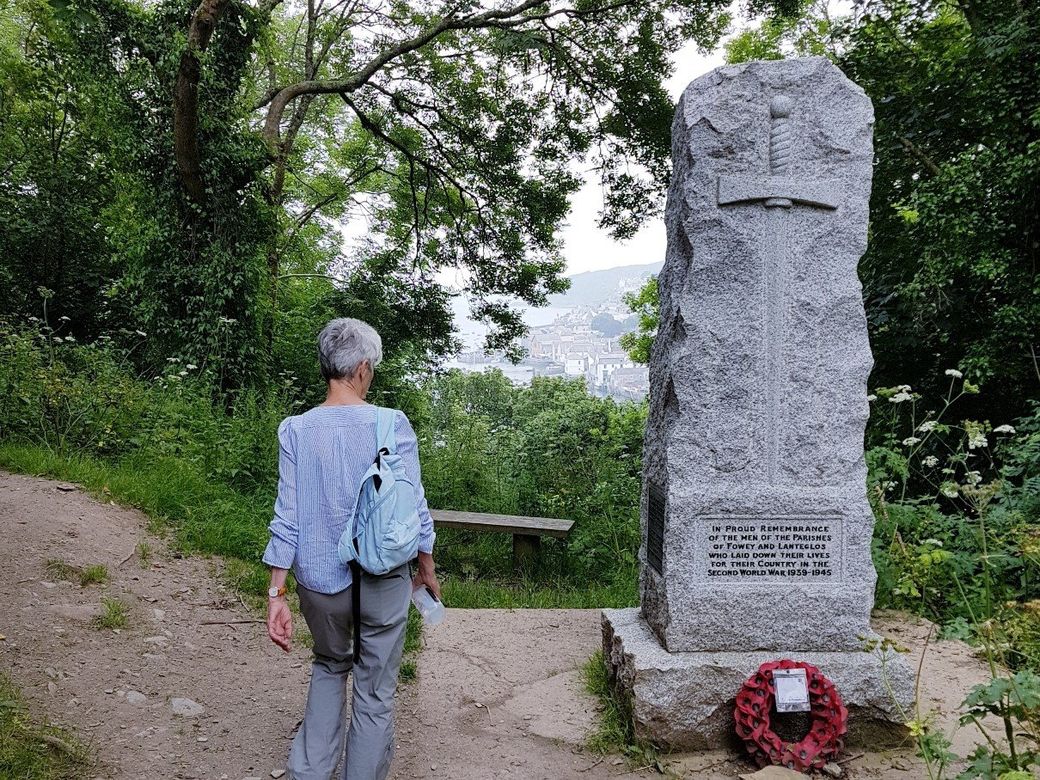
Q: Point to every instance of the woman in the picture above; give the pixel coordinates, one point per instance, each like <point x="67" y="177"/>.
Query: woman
<point x="324" y="454"/>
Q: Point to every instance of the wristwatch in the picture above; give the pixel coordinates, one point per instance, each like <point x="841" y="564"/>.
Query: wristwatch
<point x="273" y="593"/>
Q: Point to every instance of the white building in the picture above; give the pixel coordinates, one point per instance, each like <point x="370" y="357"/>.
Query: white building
<point x="608" y="363"/>
<point x="576" y="365"/>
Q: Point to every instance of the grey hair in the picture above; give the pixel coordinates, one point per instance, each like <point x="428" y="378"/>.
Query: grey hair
<point x="346" y="343"/>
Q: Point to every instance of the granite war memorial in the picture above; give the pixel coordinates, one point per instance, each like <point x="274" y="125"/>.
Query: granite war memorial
<point x="755" y="521"/>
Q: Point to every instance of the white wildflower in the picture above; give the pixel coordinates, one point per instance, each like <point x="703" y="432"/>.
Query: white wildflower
<point x="1004" y="429"/>
<point x="182" y="373"/>
<point x="910" y="441"/>
<point x="173" y="360"/>
<point x="191" y="366"/>
<point x="954" y="373"/>
<point x="949" y="489"/>
<point x="927" y="425"/>
<point x="901" y="396"/>
<point x="976" y="440"/>
<point x="64" y="318"/>
<point x="931" y="461"/>
<point x="871" y="397"/>
<point x="973" y="477"/>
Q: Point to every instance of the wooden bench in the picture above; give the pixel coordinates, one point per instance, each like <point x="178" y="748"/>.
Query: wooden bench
<point x="527" y="531"/>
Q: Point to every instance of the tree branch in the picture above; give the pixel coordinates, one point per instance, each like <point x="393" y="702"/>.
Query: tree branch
<point x="919" y="153"/>
<point x="375" y="129"/>
<point x="272" y="125"/>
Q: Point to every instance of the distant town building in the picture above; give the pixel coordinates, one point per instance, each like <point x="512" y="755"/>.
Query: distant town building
<point x="629" y="383"/>
<point x="569" y="347"/>
<point x="576" y="366"/>
<point x="609" y="362"/>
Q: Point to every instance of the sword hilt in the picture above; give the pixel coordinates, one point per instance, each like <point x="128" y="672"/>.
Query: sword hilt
<point x="780" y="143"/>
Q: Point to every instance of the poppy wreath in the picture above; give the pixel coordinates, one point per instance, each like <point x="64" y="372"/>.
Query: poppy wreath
<point x="824" y="741"/>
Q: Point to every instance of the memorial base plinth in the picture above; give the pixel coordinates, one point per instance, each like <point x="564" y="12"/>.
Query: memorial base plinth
<point x="684" y="701"/>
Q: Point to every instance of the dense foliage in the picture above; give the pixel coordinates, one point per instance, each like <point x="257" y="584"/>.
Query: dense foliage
<point x="645" y="304"/>
<point x="216" y="175"/>
<point x="956" y="192"/>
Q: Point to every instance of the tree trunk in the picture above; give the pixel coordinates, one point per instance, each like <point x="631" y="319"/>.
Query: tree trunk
<point x="186" y="98"/>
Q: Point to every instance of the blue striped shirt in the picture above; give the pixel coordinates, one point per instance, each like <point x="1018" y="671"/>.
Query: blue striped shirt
<point x="324" y="454"/>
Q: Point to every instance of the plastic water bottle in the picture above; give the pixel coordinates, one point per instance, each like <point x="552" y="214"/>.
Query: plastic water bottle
<point x="429" y="607"/>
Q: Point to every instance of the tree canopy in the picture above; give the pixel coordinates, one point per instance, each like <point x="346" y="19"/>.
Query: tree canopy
<point x="209" y="173"/>
<point x="951" y="273"/>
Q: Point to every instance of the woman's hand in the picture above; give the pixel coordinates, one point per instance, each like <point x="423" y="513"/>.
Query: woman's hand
<point x="279" y="622"/>
<point x="426" y="576"/>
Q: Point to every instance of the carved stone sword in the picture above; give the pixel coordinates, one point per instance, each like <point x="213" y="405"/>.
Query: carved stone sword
<point x="776" y="191"/>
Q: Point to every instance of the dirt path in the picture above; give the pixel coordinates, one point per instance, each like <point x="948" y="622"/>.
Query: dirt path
<point x="498" y="693"/>
<point x="118" y="688"/>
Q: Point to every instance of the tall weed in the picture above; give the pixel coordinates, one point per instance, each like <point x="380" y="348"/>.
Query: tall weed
<point x="957" y="540"/>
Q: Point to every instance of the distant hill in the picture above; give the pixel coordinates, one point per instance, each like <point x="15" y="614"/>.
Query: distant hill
<point x="596" y="288"/>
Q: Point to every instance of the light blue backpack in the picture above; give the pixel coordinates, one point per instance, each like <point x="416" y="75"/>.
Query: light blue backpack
<point x="384" y="532"/>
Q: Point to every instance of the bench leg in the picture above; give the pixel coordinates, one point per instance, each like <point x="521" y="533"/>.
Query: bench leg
<point x="526" y="548"/>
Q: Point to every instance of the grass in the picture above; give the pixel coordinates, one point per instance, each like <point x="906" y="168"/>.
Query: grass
<point x="412" y="645"/>
<point x="480" y="574"/>
<point x="32" y="751"/>
<point x="144" y="553"/>
<point x="60" y="570"/>
<point x="115" y="614"/>
<point x="91" y="575"/>
<point x="614" y="732"/>
<point x="534" y="593"/>
<point x="409" y="671"/>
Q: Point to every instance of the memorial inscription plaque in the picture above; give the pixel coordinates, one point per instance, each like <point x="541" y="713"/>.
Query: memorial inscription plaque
<point x="779" y="548"/>
<point x="655" y="515"/>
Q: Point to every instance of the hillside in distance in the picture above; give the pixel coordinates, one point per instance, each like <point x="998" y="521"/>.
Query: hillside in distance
<point x="598" y="288"/>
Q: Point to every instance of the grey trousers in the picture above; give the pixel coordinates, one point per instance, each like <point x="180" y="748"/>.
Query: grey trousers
<point x="318" y="744"/>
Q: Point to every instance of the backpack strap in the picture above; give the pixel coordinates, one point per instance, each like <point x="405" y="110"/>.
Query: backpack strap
<point x="386" y="436"/>
<point x="355" y="607"/>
